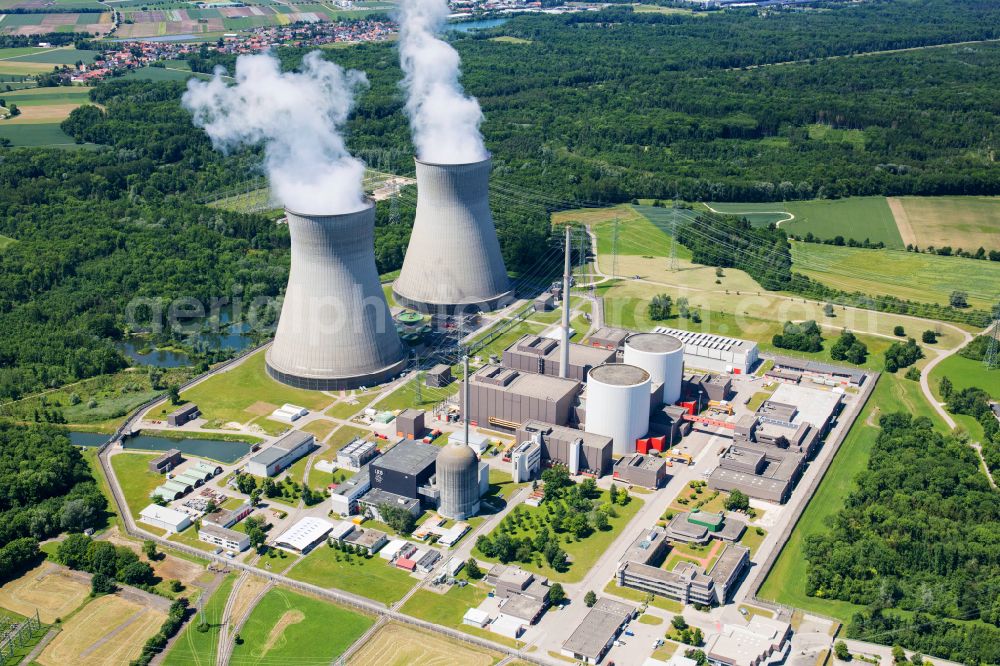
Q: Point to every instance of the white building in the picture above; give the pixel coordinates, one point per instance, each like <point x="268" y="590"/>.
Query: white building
<point x="526" y="461"/>
<point x="288" y="413"/>
<point x="304" y="535"/>
<point x="224" y="537"/>
<point x="476" y="618"/>
<point x="717" y="353"/>
<point x="281" y="455"/>
<point x="477" y="442"/>
<point x="165" y="518"/>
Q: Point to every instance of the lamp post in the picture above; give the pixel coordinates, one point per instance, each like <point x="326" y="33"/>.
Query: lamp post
<point x="700" y="392"/>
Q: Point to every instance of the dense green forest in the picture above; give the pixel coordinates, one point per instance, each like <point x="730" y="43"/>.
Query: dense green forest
<point x="598" y="107"/>
<point x="920" y="532"/>
<point x="45" y="488"/>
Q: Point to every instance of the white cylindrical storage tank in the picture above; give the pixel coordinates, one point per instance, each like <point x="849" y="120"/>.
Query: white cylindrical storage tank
<point x="662" y="356"/>
<point x="618" y="404"/>
<point x="457" y="473"/>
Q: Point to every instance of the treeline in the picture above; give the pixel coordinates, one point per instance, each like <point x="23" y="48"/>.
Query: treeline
<point x="920" y="532"/>
<point x="45" y="488"/>
<point x="977" y="403"/>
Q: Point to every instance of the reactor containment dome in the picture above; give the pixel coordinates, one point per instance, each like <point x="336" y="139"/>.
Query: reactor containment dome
<point x="662" y="356"/>
<point x="457" y="471"/>
<point x="617" y="405"/>
<point x="453" y="262"/>
<point x="336" y="330"/>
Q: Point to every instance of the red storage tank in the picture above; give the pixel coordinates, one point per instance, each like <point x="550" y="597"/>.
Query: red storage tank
<point x="642" y="446"/>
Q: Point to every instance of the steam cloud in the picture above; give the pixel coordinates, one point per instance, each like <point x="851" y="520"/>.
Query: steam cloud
<point x="298" y="116"/>
<point x="443" y="119"/>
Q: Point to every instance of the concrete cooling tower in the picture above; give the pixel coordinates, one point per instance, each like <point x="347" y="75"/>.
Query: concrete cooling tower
<point x="453" y="262"/>
<point x="335" y="330"/>
<point x="458" y="480"/>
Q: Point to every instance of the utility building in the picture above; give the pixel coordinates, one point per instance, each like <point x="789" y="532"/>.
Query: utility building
<point x="716" y="353"/>
<point x="578" y="450"/>
<point x="503" y="398"/>
<point x="281" y="455"/>
<point x="640" y="470"/>
<point x="404" y="469"/>
<point x="533" y="353"/>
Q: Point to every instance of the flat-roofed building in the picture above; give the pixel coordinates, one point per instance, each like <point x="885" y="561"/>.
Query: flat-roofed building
<point x="165" y="518"/>
<point x="534" y="353"/>
<point x="410" y="424"/>
<point x="371" y="540"/>
<point x="166" y="461"/>
<point x="609" y="338"/>
<point x="183" y="414"/>
<point x="405" y="468"/>
<point x="700" y="527"/>
<point x="716" y="353"/>
<point x="761" y="641"/>
<point x="281" y="455"/>
<point x="686" y="582"/>
<point x="304" y="535"/>
<point x="641" y="470"/>
<point x="563" y="445"/>
<point x="767" y="473"/>
<point x="503" y="399"/>
<point x="598" y="630"/>
<point x="357" y="452"/>
<point x="227" y="517"/>
<point x="812" y="370"/>
<point x="439" y="376"/>
<point x="224" y="537"/>
<point x="814" y="406"/>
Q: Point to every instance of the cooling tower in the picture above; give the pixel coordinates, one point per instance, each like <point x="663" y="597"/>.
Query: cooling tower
<point x="335" y="330"/>
<point x="457" y="473"/>
<point x="453" y="262"/>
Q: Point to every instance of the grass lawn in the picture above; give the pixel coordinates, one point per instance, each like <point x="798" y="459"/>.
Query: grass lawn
<point x="344" y="410"/>
<point x="447" y="610"/>
<point x="405" y="396"/>
<point x="758" y="214"/>
<point x="189" y="537"/>
<point x="500" y="343"/>
<point x="857" y="217"/>
<point x="246" y="392"/>
<point x="90" y="455"/>
<point x="650" y="619"/>
<point x="373" y="578"/>
<point x="785" y="582"/>
<point x="276" y="560"/>
<point x="752" y="540"/>
<point x="963" y="373"/>
<point x="757" y="399"/>
<point x="709" y="501"/>
<point x="196" y="648"/>
<point x="584" y="553"/>
<point x="290" y="628"/>
<point x="908" y="275"/>
<point x="320" y="427"/>
<point x="136" y="481"/>
<point x="642" y="230"/>
<point x="663" y="603"/>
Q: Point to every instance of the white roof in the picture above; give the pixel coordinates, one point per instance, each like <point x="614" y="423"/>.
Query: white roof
<point x="304" y="533"/>
<point x="288" y="407"/>
<point x="681" y="660"/>
<point x="392" y="548"/>
<point x="815" y="406"/>
<point x="476" y="615"/>
<point x="163" y="514"/>
<point x="474" y="438"/>
<point x="507" y="625"/>
<point x="342" y="529"/>
<point x="454" y="533"/>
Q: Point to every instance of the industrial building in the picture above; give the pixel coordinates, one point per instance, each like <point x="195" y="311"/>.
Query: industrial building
<point x="165" y="462"/>
<point x="716" y="353"/>
<point x="183" y="414"/>
<point x="404" y="469"/>
<point x="165" y="518"/>
<point x="764" y="473"/>
<point x="370" y="540"/>
<point x="357" y="452"/>
<point x="453" y="262"/>
<point x="171" y="489"/>
<point x="639" y="470"/>
<point x="335" y="330"/>
<point x="578" y="450"/>
<point x="281" y="455"/>
<point x="344" y="498"/>
<point x="410" y="424"/>
<point x="503" y="398"/>
<point x="304" y="535"/>
<point x="533" y="353"/>
<point x="700" y="527"/>
<point x="759" y="642"/>
<point x="526" y="461"/>
<point x="787" y="368"/>
<point x="708" y="386"/>
<point x="817" y="407"/>
<point x="227" y="517"/>
<point x="617" y="404"/>
<point x="662" y="356"/>
<point x="592" y="639"/>
<point x="439" y="376"/>
<point x="685" y="583"/>
<point x="288" y="413"/>
<point x="457" y="470"/>
<point x="609" y="338"/>
<point x="223" y="537"/>
<point x="479" y="443"/>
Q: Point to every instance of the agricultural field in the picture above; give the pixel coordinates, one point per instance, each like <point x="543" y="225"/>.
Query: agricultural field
<point x="959" y="222"/>
<point x="369" y="577"/>
<point x="857" y="217"/>
<point x="758" y="214"/>
<point x="196" y="648"/>
<point x="402" y="645"/>
<point x="284" y="627"/>
<point x="44" y="105"/>
<point x="163" y="74"/>
<point x="245" y="394"/>
<point x="41" y="134"/>
<point x="40" y="24"/>
<point x="915" y="276"/>
<point x="786" y="580"/>
<point x="112" y="630"/>
<point x="52" y="590"/>
<point x="42" y="4"/>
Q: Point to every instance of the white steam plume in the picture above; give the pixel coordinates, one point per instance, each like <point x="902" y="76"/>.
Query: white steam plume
<point x="298" y="116"/>
<point x="444" y="121"/>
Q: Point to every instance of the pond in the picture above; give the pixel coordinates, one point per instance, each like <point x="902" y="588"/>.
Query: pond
<point x="214" y="449"/>
<point x="481" y="24"/>
<point x="157" y="357"/>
